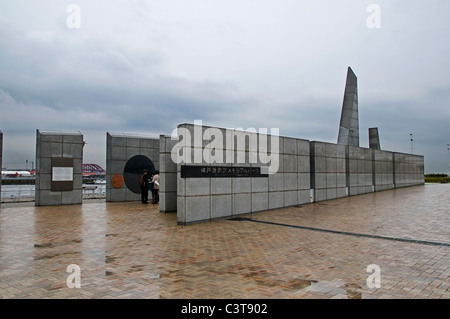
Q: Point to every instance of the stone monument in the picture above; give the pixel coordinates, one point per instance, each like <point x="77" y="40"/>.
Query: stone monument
<point x="59" y="164"/>
<point x="374" y="138"/>
<point x="126" y="157"/>
<point x="349" y="125"/>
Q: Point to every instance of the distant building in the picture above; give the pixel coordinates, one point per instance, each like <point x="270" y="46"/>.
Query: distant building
<point x="16" y="174"/>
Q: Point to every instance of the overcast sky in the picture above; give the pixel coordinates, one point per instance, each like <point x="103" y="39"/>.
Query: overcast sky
<point x="146" y="66"/>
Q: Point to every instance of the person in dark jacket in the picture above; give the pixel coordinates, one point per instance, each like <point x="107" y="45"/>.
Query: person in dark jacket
<point x="143" y="184"/>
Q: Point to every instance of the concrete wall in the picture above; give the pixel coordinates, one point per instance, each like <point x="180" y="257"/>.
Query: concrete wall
<point x="383" y="170"/>
<point x="201" y="199"/>
<point x="359" y="170"/>
<point x="120" y="148"/>
<point x="295" y="171"/>
<point x="1" y="162"/>
<point x="50" y="145"/>
<point x="328" y="171"/>
<point x="408" y="169"/>
<point x="168" y="176"/>
<point x="307" y="171"/>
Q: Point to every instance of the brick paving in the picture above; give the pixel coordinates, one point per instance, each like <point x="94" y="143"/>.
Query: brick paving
<point x="130" y="250"/>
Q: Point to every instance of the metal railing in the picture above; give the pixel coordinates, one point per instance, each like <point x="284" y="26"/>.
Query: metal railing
<point x="17" y="193"/>
<point x="26" y="193"/>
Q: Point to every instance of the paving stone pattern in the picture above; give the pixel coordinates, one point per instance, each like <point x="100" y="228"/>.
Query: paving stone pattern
<point x="130" y="250"/>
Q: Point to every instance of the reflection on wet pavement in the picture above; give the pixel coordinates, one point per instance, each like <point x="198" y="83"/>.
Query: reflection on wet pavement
<point x="128" y="250"/>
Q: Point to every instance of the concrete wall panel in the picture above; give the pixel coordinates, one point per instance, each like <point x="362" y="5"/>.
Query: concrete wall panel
<point x="408" y="170"/>
<point x="244" y="194"/>
<point x="1" y="162"/>
<point x="328" y="163"/>
<point x="383" y="170"/>
<point x="57" y="144"/>
<point x="120" y="148"/>
<point x="360" y="172"/>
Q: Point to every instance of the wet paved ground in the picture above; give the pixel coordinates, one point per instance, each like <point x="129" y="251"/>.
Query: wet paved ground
<point x="130" y="250"/>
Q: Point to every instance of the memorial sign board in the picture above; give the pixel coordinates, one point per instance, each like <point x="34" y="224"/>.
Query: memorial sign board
<point x="199" y="171"/>
<point x="62" y="174"/>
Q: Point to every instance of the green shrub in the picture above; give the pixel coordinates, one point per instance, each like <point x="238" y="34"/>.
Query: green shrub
<point x="437" y="178"/>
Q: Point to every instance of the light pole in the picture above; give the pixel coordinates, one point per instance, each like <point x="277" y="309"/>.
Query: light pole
<point x="448" y="160"/>
<point x="412" y="140"/>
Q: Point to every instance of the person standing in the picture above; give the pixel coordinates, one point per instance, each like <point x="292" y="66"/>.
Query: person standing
<point x="155" y="190"/>
<point x="143" y="184"/>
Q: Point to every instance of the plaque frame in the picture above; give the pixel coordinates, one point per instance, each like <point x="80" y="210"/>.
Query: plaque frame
<point x="65" y="183"/>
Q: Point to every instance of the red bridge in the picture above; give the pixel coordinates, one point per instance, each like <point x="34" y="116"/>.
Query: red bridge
<point x="93" y="170"/>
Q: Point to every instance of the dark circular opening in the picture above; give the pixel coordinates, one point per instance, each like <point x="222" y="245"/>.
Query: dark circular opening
<point x="133" y="168"/>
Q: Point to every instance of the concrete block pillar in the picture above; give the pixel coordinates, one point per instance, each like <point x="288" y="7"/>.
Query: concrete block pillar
<point x="1" y="163"/>
<point x="59" y="164"/>
<point x="168" y="176"/>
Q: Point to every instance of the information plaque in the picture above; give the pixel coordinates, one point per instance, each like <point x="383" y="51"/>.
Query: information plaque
<point x="62" y="174"/>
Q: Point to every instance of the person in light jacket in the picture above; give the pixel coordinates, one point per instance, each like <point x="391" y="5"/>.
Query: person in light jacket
<point x="155" y="190"/>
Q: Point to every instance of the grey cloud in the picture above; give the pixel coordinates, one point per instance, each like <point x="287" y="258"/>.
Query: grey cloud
<point x="148" y="66"/>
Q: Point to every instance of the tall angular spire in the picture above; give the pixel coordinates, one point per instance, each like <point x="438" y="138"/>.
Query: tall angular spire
<point x="374" y="138"/>
<point x="349" y="125"/>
